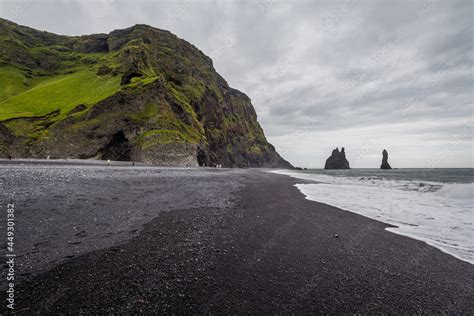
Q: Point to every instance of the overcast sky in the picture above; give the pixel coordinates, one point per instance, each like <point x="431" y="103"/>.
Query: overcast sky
<point x="364" y="75"/>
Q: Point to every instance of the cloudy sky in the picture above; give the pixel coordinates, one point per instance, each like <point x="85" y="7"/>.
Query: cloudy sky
<point x="360" y="74"/>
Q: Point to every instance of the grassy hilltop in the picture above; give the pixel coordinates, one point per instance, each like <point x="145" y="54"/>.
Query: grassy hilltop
<point x="137" y="94"/>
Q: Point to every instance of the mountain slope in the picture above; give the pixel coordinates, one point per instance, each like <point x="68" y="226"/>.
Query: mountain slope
<point x="138" y="94"/>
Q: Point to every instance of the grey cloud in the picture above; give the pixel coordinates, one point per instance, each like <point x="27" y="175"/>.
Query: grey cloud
<point x="320" y="73"/>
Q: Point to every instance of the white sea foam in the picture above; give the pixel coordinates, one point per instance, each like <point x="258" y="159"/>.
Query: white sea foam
<point x="440" y="214"/>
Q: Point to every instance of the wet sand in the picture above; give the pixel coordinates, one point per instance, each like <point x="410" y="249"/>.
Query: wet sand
<point x="97" y="239"/>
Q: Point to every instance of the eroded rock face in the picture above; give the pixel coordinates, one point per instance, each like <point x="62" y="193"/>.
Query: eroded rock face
<point x="337" y="160"/>
<point x="172" y="107"/>
<point x="385" y="164"/>
<point x="6" y="140"/>
<point x="118" y="149"/>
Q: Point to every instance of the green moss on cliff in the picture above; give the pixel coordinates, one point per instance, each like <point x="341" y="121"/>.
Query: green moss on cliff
<point x="162" y="136"/>
<point x="62" y="92"/>
<point x="150" y="81"/>
<point x="167" y="120"/>
<point x="12" y="82"/>
<point x="27" y="130"/>
<point x="150" y="112"/>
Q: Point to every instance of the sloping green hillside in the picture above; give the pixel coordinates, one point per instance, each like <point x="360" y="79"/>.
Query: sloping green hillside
<point x="20" y="97"/>
<point x="12" y="82"/>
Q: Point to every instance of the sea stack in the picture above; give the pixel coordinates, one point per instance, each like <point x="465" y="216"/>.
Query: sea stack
<point x="337" y="160"/>
<point x="385" y="164"/>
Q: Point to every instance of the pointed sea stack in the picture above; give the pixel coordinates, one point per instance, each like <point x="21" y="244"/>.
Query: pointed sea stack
<point x="385" y="164"/>
<point x="337" y="160"/>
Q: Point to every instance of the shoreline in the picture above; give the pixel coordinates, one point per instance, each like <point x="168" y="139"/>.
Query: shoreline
<point x="243" y="241"/>
<point x="398" y="228"/>
<point x="393" y="228"/>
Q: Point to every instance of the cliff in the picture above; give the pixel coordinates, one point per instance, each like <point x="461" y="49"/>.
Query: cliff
<point x="138" y="94"/>
<point x="337" y="160"/>
<point x="385" y="164"/>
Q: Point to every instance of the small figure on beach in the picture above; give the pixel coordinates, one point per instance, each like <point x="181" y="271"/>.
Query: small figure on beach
<point x="108" y="162"/>
<point x="385" y="164"/>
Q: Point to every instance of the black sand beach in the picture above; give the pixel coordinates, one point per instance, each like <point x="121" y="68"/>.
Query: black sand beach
<point x="98" y="239"/>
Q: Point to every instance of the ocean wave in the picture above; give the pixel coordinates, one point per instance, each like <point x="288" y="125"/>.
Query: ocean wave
<point x="370" y="181"/>
<point x="462" y="191"/>
<point x="440" y="214"/>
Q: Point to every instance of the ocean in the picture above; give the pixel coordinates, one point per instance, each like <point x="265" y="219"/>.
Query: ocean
<point x="431" y="205"/>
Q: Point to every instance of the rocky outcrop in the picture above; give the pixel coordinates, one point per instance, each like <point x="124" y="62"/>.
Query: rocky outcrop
<point x="385" y="164"/>
<point x="171" y="107"/>
<point x="337" y="160"/>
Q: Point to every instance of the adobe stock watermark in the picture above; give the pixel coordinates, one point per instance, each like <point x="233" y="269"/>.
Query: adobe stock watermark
<point x="465" y="133"/>
<point x="302" y="132"/>
<point x="335" y="16"/>
<point x="10" y="256"/>
<point x="364" y="67"/>
<point x="366" y="148"/>
<point x="19" y="8"/>
<point x="264" y="6"/>
<point x="180" y="8"/>
<point x="107" y="3"/>
<point x="428" y="5"/>
<point x="277" y="72"/>
<point x="221" y="50"/>
<point x="423" y="93"/>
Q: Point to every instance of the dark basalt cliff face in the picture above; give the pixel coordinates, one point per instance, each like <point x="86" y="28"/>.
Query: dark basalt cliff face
<point x="158" y="99"/>
<point x="385" y="164"/>
<point x="337" y="160"/>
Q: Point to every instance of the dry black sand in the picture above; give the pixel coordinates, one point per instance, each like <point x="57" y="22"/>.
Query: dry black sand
<point x="96" y="239"/>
